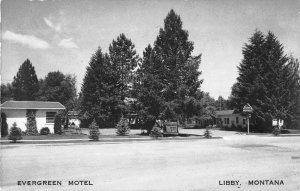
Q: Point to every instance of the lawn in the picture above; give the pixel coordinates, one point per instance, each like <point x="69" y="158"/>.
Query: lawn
<point x="156" y="165"/>
<point x="104" y="133"/>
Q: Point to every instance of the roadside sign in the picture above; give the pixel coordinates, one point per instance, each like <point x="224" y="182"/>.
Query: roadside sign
<point x="274" y="122"/>
<point x="247" y="108"/>
<point x="171" y="128"/>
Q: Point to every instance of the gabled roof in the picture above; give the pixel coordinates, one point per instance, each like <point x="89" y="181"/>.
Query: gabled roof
<point x="225" y="112"/>
<point x="31" y="105"/>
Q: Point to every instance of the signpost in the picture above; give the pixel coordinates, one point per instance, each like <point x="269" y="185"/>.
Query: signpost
<point x="248" y="110"/>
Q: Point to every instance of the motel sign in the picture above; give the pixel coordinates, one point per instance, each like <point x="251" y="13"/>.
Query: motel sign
<point x="248" y="110"/>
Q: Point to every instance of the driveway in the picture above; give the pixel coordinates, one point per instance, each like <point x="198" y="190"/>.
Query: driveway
<point x="203" y="164"/>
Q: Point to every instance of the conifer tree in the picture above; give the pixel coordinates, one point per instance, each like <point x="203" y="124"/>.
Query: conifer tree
<point x="169" y="73"/>
<point x="207" y="133"/>
<point x="122" y="127"/>
<point x="25" y="84"/>
<point x="57" y="124"/>
<point x="94" y="131"/>
<point x="15" y="133"/>
<point x="268" y="80"/>
<point x="4" y="125"/>
<point x="124" y="60"/>
<point x="31" y="128"/>
<point x="156" y="132"/>
<point x="148" y="90"/>
<point x="99" y="97"/>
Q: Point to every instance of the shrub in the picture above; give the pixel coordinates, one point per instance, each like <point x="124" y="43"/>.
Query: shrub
<point x="276" y="131"/>
<point x="284" y="131"/>
<point x="94" y="131"/>
<point x="57" y="124"/>
<point x="15" y="133"/>
<point x="239" y="127"/>
<point x="4" y="126"/>
<point x="122" y="127"/>
<point x="207" y="133"/>
<point x="197" y="126"/>
<point x="31" y="128"/>
<point x="44" y="131"/>
<point x="233" y="126"/>
<point x="156" y="132"/>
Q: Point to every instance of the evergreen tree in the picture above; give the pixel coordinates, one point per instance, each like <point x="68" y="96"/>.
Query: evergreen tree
<point x="169" y="73"/>
<point x="156" y="132"/>
<point x="99" y="97"/>
<point x="25" y="84"/>
<point x="172" y="53"/>
<point x="124" y="60"/>
<point x="4" y="125"/>
<point x="15" y="133"/>
<point x="94" y="131"/>
<point x="57" y="124"/>
<point x="148" y="90"/>
<point x="122" y="127"/>
<point x="268" y="80"/>
<point x="31" y="128"/>
<point x="207" y="133"/>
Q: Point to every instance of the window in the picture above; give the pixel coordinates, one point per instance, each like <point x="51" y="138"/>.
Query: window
<point x="226" y="120"/>
<point x="50" y="117"/>
<point x="237" y="120"/>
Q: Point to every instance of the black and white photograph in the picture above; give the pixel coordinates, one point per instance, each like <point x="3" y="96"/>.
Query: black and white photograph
<point x="150" y="95"/>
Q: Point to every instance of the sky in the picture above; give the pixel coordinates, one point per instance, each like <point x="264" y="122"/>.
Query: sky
<point x="63" y="34"/>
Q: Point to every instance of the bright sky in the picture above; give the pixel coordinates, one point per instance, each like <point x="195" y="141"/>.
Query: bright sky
<point x="63" y="34"/>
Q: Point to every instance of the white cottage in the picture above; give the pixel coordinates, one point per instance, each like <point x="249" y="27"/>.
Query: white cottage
<point x="229" y="117"/>
<point x="15" y="111"/>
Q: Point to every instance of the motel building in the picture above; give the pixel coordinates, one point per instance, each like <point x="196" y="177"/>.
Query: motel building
<point x="230" y="117"/>
<point x="15" y="111"/>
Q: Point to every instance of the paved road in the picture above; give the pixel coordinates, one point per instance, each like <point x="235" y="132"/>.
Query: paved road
<point x="156" y="165"/>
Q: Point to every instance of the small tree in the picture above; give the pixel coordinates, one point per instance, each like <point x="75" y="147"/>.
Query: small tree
<point x="156" y="132"/>
<point x="207" y="133"/>
<point x="15" y="133"/>
<point x="4" y="126"/>
<point x="25" y="84"/>
<point x="31" y="128"/>
<point x="57" y="124"/>
<point x="94" y="131"/>
<point x="122" y="127"/>
<point x="276" y="131"/>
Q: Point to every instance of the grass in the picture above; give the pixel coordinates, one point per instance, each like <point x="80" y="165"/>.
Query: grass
<point x="51" y="137"/>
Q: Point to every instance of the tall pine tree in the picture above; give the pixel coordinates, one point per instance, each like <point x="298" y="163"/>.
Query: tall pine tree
<point x="169" y="74"/>
<point x="148" y="90"/>
<point x="268" y="80"/>
<point x="176" y="67"/>
<point x="25" y="84"/>
<point x="99" y="97"/>
<point x="124" y="60"/>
